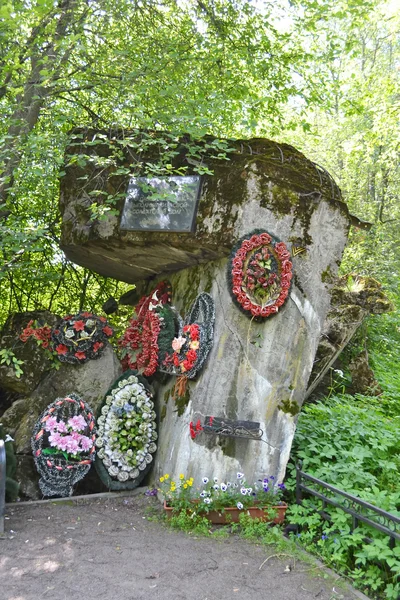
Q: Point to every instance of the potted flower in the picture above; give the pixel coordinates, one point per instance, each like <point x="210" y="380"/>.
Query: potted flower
<point x="223" y="502"/>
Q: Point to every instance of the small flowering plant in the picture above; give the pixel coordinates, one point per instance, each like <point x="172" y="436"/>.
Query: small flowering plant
<point x="215" y="495"/>
<point x="81" y="337"/>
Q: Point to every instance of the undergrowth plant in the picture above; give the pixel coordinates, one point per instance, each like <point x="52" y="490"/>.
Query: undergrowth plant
<point x="354" y="444"/>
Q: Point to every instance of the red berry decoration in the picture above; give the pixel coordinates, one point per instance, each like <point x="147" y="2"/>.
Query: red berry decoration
<point x="260" y="274"/>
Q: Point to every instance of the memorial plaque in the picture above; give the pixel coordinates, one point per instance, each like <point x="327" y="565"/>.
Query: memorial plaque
<point x="161" y="204"/>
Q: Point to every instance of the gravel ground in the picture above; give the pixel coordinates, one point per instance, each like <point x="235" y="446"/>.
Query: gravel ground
<point x="108" y="548"/>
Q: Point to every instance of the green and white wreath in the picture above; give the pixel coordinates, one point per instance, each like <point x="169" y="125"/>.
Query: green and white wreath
<point x="126" y="433"/>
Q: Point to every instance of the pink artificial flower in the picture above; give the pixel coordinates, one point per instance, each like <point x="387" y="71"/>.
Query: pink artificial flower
<point x="72" y="445"/>
<point x="177" y="343"/>
<point x="76" y="436"/>
<point x="61" y="427"/>
<point x="62" y="444"/>
<point x="77" y="423"/>
<point x="86" y="443"/>
<point x="55" y="439"/>
<point x="51" y="424"/>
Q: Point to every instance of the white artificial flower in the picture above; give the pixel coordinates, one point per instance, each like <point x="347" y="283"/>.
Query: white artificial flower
<point x="133" y="473"/>
<point x="113" y="471"/>
<point x="70" y="333"/>
<point x="99" y="442"/>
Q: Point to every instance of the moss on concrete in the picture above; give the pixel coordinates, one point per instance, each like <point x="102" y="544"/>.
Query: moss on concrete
<point x="287" y="406"/>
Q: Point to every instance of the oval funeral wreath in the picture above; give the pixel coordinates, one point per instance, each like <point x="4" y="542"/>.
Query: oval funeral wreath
<point x="260" y="274"/>
<point x="191" y="348"/>
<point x="126" y="433"/>
<point x="63" y="445"/>
<point x="81" y="337"/>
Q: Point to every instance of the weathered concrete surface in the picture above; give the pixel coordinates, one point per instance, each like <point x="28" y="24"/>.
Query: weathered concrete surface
<point x="90" y="380"/>
<point x="260" y="173"/>
<point x="353" y="298"/>
<point x="109" y="549"/>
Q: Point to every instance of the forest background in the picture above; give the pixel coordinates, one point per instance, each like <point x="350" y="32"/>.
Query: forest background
<point x="323" y="76"/>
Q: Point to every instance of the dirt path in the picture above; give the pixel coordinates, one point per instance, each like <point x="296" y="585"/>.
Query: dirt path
<point x="108" y="549"/>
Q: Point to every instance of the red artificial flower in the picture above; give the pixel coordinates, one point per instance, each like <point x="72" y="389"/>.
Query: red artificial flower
<point x="67" y="318"/>
<point x="79" y="325"/>
<point x="61" y="349"/>
<point x="176" y="359"/>
<point x="265" y="238"/>
<point x="191" y="355"/>
<point x="97" y="346"/>
<point x="187" y="365"/>
<point x="107" y="330"/>
<point x="86" y="314"/>
<point x="80" y="355"/>
<point x="103" y="319"/>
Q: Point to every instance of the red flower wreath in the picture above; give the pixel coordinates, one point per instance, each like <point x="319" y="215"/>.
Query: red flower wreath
<point x="261" y="272"/>
<point x="140" y="341"/>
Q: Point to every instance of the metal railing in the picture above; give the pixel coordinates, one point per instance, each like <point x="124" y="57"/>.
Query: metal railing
<point x="360" y="511"/>
<point x="2" y="484"/>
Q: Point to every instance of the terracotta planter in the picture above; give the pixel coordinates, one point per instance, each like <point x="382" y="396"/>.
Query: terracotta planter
<point x="231" y="514"/>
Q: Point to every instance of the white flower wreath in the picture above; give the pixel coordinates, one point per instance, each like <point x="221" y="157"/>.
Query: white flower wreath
<point x="127" y="430"/>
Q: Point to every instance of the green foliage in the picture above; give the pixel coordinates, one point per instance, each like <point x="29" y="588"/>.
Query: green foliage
<point x="190" y="522"/>
<point x="7" y="357"/>
<point x="351" y="443"/>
